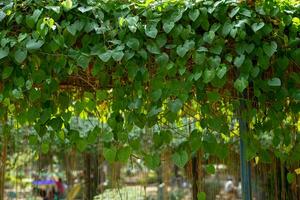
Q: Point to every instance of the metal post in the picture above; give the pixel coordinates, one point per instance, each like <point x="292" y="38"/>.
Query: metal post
<point x="245" y="165"/>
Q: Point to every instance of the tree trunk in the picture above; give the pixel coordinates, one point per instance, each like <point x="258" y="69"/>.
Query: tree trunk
<point x="70" y="157"/>
<point x="2" y="167"/>
<point x="197" y="175"/>
<point x="166" y="173"/>
<point x="283" y="181"/>
<point x="88" y="176"/>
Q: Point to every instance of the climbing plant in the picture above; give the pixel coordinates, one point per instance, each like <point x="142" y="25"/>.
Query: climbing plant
<point x="135" y="64"/>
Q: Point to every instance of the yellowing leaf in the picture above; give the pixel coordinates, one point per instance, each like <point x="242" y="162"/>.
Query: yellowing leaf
<point x="256" y="160"/>
<point x="297" y="171"/>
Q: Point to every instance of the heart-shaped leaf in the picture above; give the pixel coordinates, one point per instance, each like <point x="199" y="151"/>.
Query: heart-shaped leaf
<point x="180" y="158"/>
<point x="83" y="61"/>
<point x="7" y="72"/>
<point x="20" y="55"/>
<point x="175" y="105"/>
<point x="110" y="154"/>
<point x="34" y="44"/>
<point x="221" y="71"/>
<point x="257" y="26"/>
<point x="238" y="61"/>
<point x="181" y="50"/>
<point x="123" y="154"/>
<point x="168" y="26"/>
<point x="162" y="59"/>
<point x="133" y="43"/>
<point x="249" y="48"/>
<point x="156" y="95"/>
<point x="151" y="31"/>
<point x="234" y="12"/>
<point x="117" y="55"/>
<point x="209" y="37"/>
<point x="4" y="52"/>
<point x="240" y="84"/>
<point x="270" y="48"/>
<point x="208" y="75"/>
<point x="105" y="56"/>
<point x="194" y="14"/>
<point x="275" y="82"/>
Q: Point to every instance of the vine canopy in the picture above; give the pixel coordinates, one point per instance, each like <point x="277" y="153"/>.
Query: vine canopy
<point x="144" y="62"/>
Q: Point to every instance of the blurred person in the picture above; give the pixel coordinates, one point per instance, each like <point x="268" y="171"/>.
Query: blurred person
<point x="230" y="189"/>
<point x="60" y="189"/>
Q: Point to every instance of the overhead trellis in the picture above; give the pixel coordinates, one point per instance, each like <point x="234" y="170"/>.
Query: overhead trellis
<point x="153" y="62"/>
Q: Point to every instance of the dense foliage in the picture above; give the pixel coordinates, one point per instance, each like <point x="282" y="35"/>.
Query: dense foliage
<point x="135" y="65"/>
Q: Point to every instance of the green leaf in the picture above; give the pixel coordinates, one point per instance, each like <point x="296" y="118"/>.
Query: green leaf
<point x="34" y="94"/>
<point x="153" y="48"/>
<point x="249" y="48"/>
<point x="257" y="26"/>
<point x="110" y="154"/>
<point x="4" y="52"/>
<point x="213" y="96"/>
<point x="81" y="144"/>
<point x="209" y="37"/>
<point x="67" y="4"/>
<point x="161" y="40"/>
<point x="108" y="136"/>
<point x="208" y="75"/>
<point x="240" y="84"/>
<point x="199" y="58"/>
<point x="227" y="27"/>
<point x="17" y="93"/>
<point x="290" y="177"/>
<point x="105" y="56"/>
<point x="238" y="61"/>
<point x="20" y="55"/>
<point x="56" y="123"/>
<point x="197" y="75"/>
<point x="117" y="55"/>
<point x="45" y="147"/>
<point x="101" y="95"/>
<point x="85" y="9"/>
<point x="181" y="50"/>
<point x="234" y="12"/>
<point x="255" y="72"/>
<point x="162" y="59"/>
<point x="7" y="72"/>
<point x="270" y="48"/>
<point x="152" y="161"/>
<point x="180" y="158"/>
<point x="201" y="196"/>
<point x="31" y="20"/>
<point x="83" y="61"/>
<point x="28" y="84"/>
<point x="221" y="71"/>
<point x="123" y="154"/>
<point x="133" y="43"/>
<point x="151" y="31"/>
<point x="275" y="82"/>
<point x="168" y="26"/>
<point x="53" y="8"/>
<point x="2" y="15"/>
<point x="210" y="169"/>
<point x="34" y="44"/>
<point x="194" y="14"/>
<point x="156" y="95"/>
<point x="175" y="105"/>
